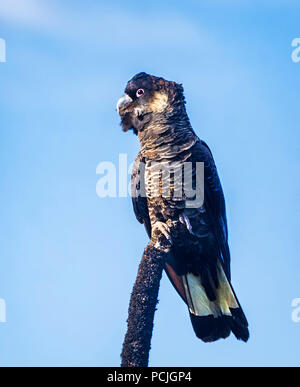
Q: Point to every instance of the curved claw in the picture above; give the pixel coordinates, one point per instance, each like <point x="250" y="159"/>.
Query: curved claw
<point x="162" y="228"/>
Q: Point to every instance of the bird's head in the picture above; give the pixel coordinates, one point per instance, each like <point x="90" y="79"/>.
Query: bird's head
<point x="147" y="98"/>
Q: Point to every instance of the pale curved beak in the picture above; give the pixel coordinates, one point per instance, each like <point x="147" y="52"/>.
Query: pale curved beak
<point x="123" y="101"/>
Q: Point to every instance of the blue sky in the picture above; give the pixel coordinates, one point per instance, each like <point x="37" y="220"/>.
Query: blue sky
<point x="69" y="258"/>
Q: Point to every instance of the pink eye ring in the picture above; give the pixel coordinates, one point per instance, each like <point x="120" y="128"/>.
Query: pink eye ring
<point x="140" y="92"/>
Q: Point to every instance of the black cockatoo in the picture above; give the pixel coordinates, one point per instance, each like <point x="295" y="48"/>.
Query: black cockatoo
<point x="199" y="261"/>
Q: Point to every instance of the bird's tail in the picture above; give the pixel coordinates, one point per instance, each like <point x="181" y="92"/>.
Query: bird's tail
<point x="216" y="319"/>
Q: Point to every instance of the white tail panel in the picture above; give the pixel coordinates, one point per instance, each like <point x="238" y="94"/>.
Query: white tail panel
<point x="198" y="302"/>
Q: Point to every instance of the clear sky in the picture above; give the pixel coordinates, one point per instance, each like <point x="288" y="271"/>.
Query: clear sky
<point x="68" y="258"/>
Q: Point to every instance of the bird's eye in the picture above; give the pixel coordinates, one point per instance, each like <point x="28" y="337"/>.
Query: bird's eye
<point x="140" y="92"/>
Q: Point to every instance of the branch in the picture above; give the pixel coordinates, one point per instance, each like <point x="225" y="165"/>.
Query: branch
<point x="142" y="308"/>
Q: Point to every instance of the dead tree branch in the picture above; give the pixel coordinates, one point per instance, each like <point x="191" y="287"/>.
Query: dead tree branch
<point x="142" y="308"/>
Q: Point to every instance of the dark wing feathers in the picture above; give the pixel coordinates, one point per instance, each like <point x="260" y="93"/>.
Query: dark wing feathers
<point x="139" y="199"/>
<point x="214" y="201"/>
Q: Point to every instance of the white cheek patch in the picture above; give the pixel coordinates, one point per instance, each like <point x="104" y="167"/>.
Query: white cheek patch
<point x="159" y="103"/>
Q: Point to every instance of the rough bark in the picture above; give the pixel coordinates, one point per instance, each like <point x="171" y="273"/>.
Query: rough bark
<point x="144" y="299"/>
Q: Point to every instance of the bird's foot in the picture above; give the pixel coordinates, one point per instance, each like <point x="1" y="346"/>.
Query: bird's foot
<point x="160" y="236"/>
<point x="161" y="228"/>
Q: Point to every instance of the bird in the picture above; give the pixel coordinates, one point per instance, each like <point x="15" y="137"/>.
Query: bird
<point x="198" y="263"/>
